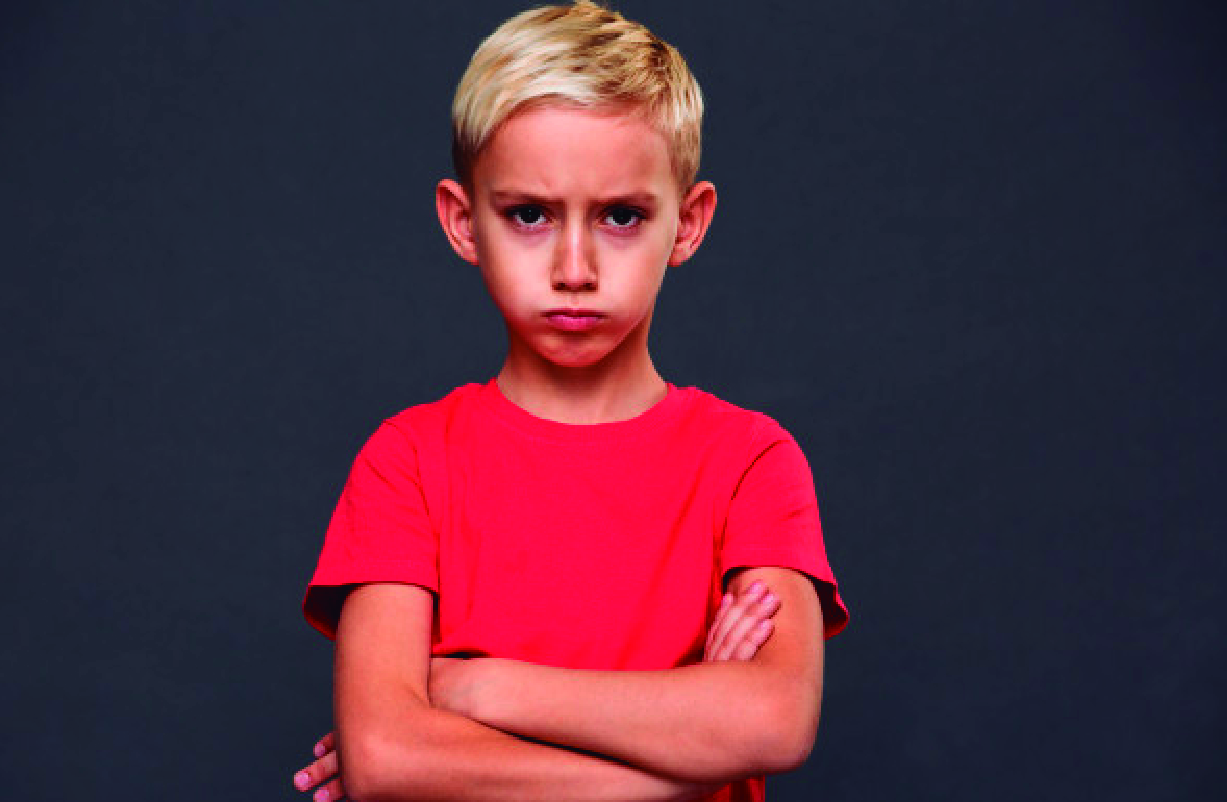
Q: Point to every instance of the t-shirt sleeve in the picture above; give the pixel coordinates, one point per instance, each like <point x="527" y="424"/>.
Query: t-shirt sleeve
<point x="380" y="530"/>
<point x="773" y="519"/>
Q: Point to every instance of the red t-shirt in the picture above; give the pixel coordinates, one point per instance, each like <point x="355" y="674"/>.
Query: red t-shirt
<point x="582" y="546"/>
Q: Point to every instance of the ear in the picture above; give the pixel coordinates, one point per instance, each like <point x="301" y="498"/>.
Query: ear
<point x="456" y="217"/>
<point x="693" y="217"/>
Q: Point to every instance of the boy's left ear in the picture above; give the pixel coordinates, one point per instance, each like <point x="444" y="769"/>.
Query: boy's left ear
<point x="694" y="216"/>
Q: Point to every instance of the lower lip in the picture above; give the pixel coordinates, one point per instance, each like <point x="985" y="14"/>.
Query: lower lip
<point x="573" y="322"/>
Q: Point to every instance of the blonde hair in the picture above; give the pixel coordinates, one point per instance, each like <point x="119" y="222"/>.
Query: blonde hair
<point x="584" y="56"/>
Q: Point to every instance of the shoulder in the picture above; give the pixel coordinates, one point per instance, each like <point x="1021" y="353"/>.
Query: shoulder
<point x="421" y="427"/>
<point x="424" y="419"/>
<point x="436" y="413"/>
<point x="753" y="430"/>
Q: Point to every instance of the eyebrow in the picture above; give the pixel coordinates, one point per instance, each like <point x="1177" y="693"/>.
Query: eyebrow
<point x="628" y="198"/>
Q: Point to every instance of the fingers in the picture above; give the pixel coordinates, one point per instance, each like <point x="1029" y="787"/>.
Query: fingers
<point x="742" y="625"/>
<point x="330" y="792"/>
<point x="324" y="771"/>
<point x="326" y="744"/>
<point x="749" y="630"/>
<point x="717" y="626"/>
<point x="754" y="638"/>
<point x="732" y="608"/>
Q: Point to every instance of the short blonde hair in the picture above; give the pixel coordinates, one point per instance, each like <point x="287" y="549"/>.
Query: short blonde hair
<point x="584" y="56"/>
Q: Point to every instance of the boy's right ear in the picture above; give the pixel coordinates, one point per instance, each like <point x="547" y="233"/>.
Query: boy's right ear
<point x="456" y="216"/>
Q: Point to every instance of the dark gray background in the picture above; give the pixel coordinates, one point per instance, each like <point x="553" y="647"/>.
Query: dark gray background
<point x="969" y="253"/>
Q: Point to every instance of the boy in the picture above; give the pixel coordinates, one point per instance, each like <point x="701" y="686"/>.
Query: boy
<point x="526" y="579"/>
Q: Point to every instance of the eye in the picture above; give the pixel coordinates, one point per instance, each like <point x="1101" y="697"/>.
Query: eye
<point x="526" y="216"/>
<point x="623" y="217"/>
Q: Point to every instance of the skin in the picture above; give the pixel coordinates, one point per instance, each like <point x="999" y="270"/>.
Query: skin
<point x="706" y="722"/>
<point x="741" y="626"/>
<point x="569" y="208"/>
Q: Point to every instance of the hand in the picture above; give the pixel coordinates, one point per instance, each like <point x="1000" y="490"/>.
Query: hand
<point x="324" y="772"/>
<point x="742" y="624"/>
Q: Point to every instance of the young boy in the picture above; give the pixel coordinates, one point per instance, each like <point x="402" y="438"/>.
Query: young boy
<point x="526" y="580"/>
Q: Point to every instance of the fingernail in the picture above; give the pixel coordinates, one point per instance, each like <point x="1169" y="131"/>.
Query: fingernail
<point x="319" y="750"/>
<point x="321" y="795"/>
<point x="301" y="780"/>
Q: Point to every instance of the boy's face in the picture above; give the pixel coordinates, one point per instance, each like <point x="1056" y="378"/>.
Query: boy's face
<point x="573" y="216"/>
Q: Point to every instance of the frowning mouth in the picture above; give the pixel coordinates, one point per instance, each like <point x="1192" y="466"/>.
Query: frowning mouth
<point x="573" y="319"/>
<point x="567" y="311"/>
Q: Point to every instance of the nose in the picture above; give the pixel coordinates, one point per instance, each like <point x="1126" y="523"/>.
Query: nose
<point x="574" y="268"/>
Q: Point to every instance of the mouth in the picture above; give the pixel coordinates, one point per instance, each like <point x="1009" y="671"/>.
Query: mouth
<point x="567" y="319"/>
<point x="569" y="312"/>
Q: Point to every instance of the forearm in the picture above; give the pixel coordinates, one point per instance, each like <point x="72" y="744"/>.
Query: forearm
<point x="712" y="722"/>
<point x="435" y="754"/>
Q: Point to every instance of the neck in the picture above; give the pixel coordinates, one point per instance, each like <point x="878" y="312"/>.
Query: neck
<point x="601" y="393"/>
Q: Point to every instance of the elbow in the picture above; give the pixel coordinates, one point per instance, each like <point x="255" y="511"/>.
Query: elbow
<point x="362" y="769"/>
<point x="374" y="770"/>
<point x="786" y="731"/>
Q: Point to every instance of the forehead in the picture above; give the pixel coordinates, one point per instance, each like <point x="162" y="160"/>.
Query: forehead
<point x="560" y="152"/>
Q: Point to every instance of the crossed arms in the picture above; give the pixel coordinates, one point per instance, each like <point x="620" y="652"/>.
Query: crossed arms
<point x="516" y="730"/>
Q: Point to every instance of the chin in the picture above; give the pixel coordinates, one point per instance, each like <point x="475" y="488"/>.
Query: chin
<point x="574" y="358"/>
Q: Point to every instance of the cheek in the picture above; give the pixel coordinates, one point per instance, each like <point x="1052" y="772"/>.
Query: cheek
<point x="650" y="248"/>
<point x="512" y="291"/>
<point x="638" y="284"/>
